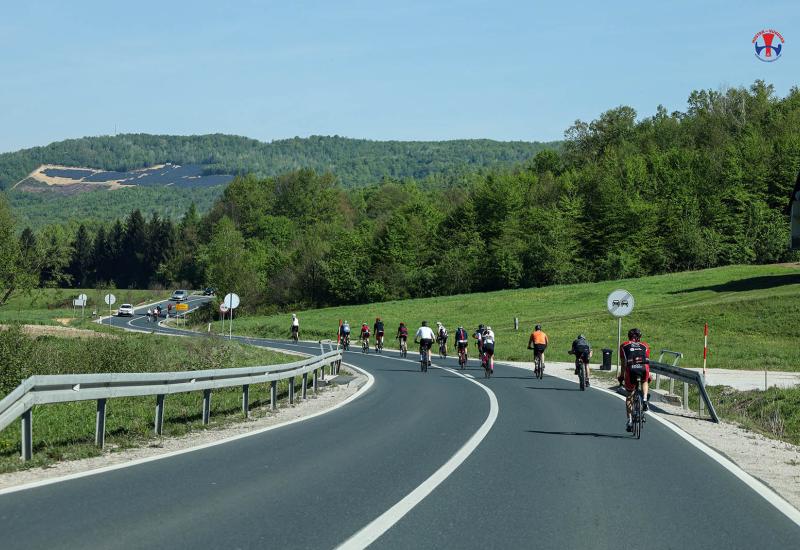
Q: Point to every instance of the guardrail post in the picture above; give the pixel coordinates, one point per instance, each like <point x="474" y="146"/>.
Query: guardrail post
<point x="314" y="381"/>
<point x="273" y="395"/>
<point x="100" y="424"/>
<point x="291" y="390"/>
<point x="305" y="385"/>
<point x="27" y="434"/>
<point x="206" y="406"/>
<point x="159" y="424"/>
<point x="672" y="386"/>
<point x="686" y="396"/>
<point x="246" y="400"/>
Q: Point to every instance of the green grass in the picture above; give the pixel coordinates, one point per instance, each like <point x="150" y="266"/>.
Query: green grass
<point x="753" y="314"/>
<point x="45" y="306"/>
<point x="66" y="430"/>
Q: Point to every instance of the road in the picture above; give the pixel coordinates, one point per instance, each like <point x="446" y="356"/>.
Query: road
<point x="556" y="470"/>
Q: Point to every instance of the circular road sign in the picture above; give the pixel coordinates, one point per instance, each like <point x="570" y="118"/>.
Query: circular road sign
<point x="223" y="308"/>
<point x="620" y="303"/>
<point x="110" y="299"/>
<point x="82" y="297"/>
<point x="231" y="301"/>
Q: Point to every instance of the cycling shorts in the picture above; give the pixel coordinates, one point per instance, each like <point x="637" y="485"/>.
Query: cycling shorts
<point x="425" y="343"/>
<point x="632" y="372"/>
<point x="365" y="334"/>
<point x="379" y="334"/>
<point x="488" y="348"/>
<point x="403" y="337"/>
<point x="539" y="348"/>
<point x="295" y="328"/>
<point x="462" y="344"/>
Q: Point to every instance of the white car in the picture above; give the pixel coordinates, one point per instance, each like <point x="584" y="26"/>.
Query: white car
<point x="180" y="296"/>
<point x="125" y="310"/>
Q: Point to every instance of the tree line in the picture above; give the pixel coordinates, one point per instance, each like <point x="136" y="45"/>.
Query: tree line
<point x="622" y="198"/>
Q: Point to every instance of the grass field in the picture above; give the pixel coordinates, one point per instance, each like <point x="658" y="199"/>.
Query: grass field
<point x="66" y="430"/>
<point x="53" y="306"/>
<point x="753" y="314"/>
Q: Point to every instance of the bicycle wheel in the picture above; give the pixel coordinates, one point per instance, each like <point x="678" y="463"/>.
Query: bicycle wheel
<point x="640" y="400"/>
<point x="541" y="368"/>
<point x="581" y="375"/>
<point x="636" y="415"/>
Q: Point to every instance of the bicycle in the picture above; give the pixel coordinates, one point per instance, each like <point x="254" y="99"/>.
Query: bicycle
<point x="638" y="415"/>
<point x="442" y="349"/>
<point x="364" y="345"/>
<point x="403" y="346"/>
<point x="538" y="365"/>
<point x="462" y="357"/>
<point x="581" y="368"/>
<point x="379" y="344"/>
<point x="346" y="342"/>
<point x="295" y="335"/>
<point x="423" y="359"/>
<point x="487" y="370"/>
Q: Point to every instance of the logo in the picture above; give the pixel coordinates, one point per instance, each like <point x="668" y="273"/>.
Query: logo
<point x="768" y="44"/>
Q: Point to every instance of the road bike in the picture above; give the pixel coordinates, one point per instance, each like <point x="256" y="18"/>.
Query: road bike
<point x="295" y="335"/>
<point x="364" y="345"/>
<point x="423" y="358"/>
<point x="538" y="365"/>
<point x="379" y="344"/>
<point x="346" y="342"/>
<point x="403" y="347"/>
<point x="638" y="412"/>
<point x="581" y="368"/>
<point x="462" y="356"/>
<point x="486" y="364"/>
<point x="442" y="348"/>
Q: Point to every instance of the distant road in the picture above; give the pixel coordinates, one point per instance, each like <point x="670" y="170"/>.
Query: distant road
<point x="556" y="470"/>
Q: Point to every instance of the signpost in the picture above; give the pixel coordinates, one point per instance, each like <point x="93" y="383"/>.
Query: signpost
<point x="81" y="302"/>
<point x="223" y="309"/>
<point x="231" y="302"/>
<point x="110" y="299"/>
<point x="181" y="308"/>
<point x="620" y="304"/>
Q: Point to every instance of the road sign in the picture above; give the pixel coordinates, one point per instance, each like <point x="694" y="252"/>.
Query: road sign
<point x="83" y="297"/>
<point x="78" y="302"/>
<point x="231" y="301"/>
<point x="181" y="307"/>
<point x="223" y="308"/>
<point x="620" y="303"/>
<point x="110" y="299"/>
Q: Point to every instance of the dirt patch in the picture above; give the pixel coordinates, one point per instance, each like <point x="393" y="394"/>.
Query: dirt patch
<point x="63" y="332"/>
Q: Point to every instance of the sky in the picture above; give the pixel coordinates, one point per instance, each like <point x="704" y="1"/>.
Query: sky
<point x="407" y="70"/>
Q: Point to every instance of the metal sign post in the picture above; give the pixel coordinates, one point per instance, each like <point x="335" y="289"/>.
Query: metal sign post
<point x="620" y="304"/>
<point x="83" y="298"/>
<point x="231" y="302"/>
<point x="110" y="299"/>
<point x="223" y="309"/>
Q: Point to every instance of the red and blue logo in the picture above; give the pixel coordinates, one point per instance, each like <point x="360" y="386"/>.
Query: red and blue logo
<point x="768" y="44"/>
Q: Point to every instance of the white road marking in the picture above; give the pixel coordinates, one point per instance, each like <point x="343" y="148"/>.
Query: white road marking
<point x="390" y="517"/>
<point x="763" y="490"/>
<point x="361" y="391"/>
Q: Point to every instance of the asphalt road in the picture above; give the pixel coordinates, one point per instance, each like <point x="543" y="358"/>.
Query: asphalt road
<point x="556" y="470"/>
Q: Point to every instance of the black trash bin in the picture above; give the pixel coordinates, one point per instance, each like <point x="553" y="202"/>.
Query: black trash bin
<point x="606" y="359"/>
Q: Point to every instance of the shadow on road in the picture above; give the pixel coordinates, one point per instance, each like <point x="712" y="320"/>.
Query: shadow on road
<point x="590" y="434"/>
<point x="550" y="388"/>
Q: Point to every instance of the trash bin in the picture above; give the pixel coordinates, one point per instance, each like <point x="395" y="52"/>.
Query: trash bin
<point x="606" y="359"/>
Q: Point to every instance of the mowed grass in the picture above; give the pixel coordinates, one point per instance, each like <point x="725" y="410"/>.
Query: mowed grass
<point x="753" y="314"/>
<point x="53" y="306"/>
<point x="66" y="430"/>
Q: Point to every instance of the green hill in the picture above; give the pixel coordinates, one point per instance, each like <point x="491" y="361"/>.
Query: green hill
<point x="753" y="314"/>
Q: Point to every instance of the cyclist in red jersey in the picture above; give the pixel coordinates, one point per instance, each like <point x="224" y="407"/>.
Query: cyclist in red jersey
<point x="635" y="357"/>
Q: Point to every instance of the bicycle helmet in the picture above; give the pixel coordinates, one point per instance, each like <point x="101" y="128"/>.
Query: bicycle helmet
<point x="377" y="319"/>
<point x="424" y="323"/>
<point x="488" y="328"/>
<point x="402" y="324"/>
<point x="538" y="327"/>
<point x="581" y="337"/>
<point x="634" y="334"/>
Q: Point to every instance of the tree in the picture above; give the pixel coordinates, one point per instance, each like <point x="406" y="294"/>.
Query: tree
<point x="13" y="273"/>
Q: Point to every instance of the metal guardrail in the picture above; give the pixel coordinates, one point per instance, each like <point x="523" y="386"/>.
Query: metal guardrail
<point x="46" y="389"/>
<point x="674" y="372"/>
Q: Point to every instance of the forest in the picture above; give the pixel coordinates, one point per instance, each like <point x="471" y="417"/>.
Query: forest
<point x="623" y="197"/>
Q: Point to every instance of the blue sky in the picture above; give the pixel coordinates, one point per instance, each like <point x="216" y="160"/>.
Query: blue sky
<point x="369" y="69"/>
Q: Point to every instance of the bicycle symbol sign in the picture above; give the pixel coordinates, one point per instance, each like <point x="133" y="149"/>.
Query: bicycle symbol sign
<point x="620" y="303"/>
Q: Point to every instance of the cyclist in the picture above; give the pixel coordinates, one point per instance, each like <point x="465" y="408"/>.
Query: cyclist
<point x="344" y="333"/>
<point x="441" y="335"/>
<point x="581" y="348"/>
<point x="295" y="326"/>
<point x="365" y="333"/>
<point x="462" y="340"/>
<point x="538" y="342"/>
<point x="378" y="327"/>
<point x="425" y="338"/>
<point x="635" y="357"/>
<point x="402" y="334"/>
<point x="488" y="346"/>
<point x="478" y="335"/>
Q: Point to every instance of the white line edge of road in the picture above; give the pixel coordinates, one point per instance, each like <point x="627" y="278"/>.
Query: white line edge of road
<point x="361" y="391"/>
<point x="377" y="527"/>
<point x="784" y="506"/>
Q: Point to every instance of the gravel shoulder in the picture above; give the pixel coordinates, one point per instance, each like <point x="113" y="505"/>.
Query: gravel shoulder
<point x="773" y="462"/>
<point x="328" y="397"/>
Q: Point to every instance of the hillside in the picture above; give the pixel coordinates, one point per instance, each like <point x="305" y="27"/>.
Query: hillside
<point x="753" y="314"/>
<point x="355" y="162"/>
